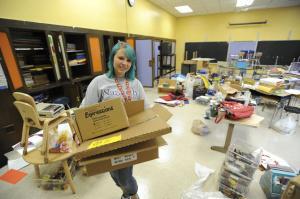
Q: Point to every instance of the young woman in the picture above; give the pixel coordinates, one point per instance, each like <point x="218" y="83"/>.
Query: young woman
<point x="119" y="81"/>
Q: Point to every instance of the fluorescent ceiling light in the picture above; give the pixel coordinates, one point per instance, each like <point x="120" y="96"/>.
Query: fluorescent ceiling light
<point x="244" y="3"/>
<point x="184" y="9"/>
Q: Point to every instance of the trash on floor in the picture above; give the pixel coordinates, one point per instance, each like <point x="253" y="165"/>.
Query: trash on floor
<point x="199" y="128"/>
<point x="268" y="160"/>
<point x="195" y="191"/>
<point x="56" y="180"/>
<point x="13" y="176"/>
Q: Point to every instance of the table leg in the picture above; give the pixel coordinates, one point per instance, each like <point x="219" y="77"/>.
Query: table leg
<point x="223" y="149"/>
<point x="37" y="171"/>
<point x="69" y="176"/>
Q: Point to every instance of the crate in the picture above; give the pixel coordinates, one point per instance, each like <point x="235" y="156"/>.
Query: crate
<point x="242" y="64"/>
<point x="239" y="166"/>
<point x="242" y="160"/>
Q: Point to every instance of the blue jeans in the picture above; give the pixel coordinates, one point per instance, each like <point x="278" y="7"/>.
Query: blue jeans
<point x="125" y="180"/>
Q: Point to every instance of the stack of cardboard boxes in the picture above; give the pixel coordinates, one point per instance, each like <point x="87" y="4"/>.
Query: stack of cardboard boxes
<point x="114" y="135"/>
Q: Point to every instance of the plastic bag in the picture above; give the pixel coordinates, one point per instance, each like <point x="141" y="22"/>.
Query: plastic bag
<point x="61" y="139"/>
<point x="286" y="125"/>
<point x="195" y="191"/>
<point x="189" y="85"/>
<point x="199" y="128"/>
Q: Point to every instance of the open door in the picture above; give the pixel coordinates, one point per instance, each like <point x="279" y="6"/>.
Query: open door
<point x="145" y="63"/>
<point x="156" y="52"/>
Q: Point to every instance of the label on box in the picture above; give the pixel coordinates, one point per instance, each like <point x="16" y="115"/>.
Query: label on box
<point x="123" y="159"/>
<point x="105" y="141"/>
<point x="101" y="118"/>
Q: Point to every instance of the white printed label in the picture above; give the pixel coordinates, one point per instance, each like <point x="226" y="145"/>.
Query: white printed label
<point x="123" y="159"/>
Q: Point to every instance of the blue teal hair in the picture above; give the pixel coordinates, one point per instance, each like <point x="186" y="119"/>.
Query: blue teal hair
<point x="129" y="52"/>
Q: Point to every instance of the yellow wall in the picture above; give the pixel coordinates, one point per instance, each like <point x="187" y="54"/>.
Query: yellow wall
<point x="215" y="27"/>
<point x="143" y="19"/>
<point x="147" y="19"/>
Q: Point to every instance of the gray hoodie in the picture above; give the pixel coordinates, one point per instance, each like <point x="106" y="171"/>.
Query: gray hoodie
<point x="103" y="88"/>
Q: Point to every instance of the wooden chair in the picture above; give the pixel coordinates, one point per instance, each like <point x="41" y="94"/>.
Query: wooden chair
<point x="27" y="108"/>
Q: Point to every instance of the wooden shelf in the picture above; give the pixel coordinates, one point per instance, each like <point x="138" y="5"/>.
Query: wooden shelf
<point x="29" y="49"/>
<point x="75" y="51"/>
<point x="80" y="79"/>
<point x="43" y="87"/>
<point x="78" y="64"/>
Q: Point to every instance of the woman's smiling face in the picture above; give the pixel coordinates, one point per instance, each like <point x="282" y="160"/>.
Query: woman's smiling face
<point x="122" y="63"/>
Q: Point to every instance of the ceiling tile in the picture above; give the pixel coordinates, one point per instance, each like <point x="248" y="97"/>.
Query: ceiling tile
<point x="201" y="7"/>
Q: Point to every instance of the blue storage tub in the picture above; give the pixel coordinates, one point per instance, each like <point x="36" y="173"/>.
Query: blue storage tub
<point x="242" y="64"/>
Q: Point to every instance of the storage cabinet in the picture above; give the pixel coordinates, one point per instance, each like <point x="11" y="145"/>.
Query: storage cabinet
<point x="32" y="54"/>
<point x="167" y="58"/>
<point x="77" y="55"/>
<point x="109" y="41"/>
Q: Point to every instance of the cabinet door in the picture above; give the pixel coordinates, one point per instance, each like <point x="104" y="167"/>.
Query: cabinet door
<point x="144" y="65"/>
<point x="10" y="61"/>
<point x="95" y="53"/>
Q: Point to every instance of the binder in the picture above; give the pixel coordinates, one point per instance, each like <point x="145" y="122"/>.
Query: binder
<point x="53" y="54"/>
<point x="61" y="43"/>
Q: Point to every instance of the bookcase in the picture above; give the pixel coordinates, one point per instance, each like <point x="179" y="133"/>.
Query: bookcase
<point x="32" y="55"/>
<point x="77" y="55"/>
<point x="167" y="58"/>
<point x="109" y="41"/>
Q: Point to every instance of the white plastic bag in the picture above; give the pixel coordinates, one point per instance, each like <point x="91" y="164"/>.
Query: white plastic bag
<point x="286" y="125"/>
<point x="61" y="140"/>
<point x="199" y="128"/>
<point x="195" y="191"/>
<point x="189" y="85"/>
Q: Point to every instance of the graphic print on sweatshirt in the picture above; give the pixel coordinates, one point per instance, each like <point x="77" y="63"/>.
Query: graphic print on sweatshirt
<point x="113" y="92"/>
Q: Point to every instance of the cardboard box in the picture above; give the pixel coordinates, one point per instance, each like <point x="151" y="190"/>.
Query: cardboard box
<point x="101" y="118"/>
<point x="167" y="85"/>
<point x="144" y="125"/>
<point x="122" y="158"/>
<point x="202" y="65"/>
<point x="213" y="68"/>
<point x="226" y="90"/>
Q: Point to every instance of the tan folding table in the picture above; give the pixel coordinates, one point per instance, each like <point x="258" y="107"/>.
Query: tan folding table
<point x="252" y="121"/>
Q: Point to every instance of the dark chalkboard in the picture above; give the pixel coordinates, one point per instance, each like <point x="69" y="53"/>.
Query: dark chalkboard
<point x="285" y="50"/>
<point x="217" y="50"/>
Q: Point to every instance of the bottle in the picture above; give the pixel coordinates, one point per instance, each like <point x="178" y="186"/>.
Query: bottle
<point x="247" y="98"/>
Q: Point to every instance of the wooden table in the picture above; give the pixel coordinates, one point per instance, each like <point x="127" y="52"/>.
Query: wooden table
<point x="252" y="121"/>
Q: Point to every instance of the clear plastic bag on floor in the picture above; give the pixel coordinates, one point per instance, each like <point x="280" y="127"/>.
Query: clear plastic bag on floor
<point x="199" y="128"/>
<point x="286" y="125"/>
<point x="195" y="191"/>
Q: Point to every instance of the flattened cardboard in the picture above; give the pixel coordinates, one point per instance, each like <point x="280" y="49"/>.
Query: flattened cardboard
<point x="161" y="112"/>
<point x="122" y="158"/>
<point x="134" y="107"/>
<point x="101" y="119"/>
